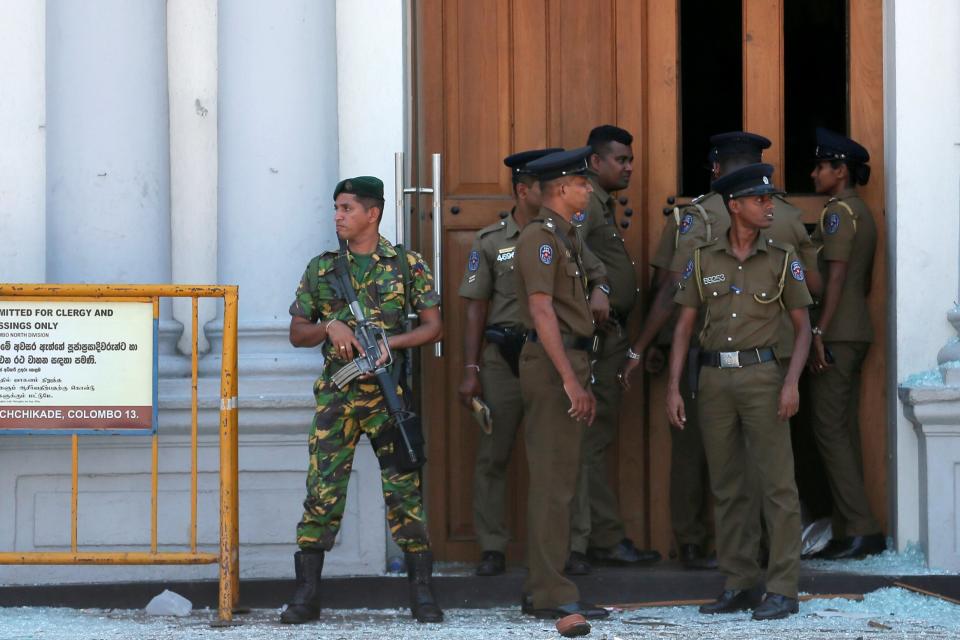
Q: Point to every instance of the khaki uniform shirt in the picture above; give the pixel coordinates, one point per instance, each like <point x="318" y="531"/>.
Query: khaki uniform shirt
<point x="546" y="265"/>
<point x="490" y="273"/>
<point x="787" y="229"/>
<point x="848" y="235"/>
<point x="743" y="300"/>
<point x="598" y="225"/>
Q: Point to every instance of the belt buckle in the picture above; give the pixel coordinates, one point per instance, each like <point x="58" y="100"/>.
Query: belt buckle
<point x="729" y="359"/>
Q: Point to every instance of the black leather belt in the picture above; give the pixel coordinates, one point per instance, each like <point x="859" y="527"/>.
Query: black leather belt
<point x="736" y="359"/>
<point x="580" y="343"/>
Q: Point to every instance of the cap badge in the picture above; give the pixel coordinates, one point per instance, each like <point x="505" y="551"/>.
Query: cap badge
<point x="766" y="180"/>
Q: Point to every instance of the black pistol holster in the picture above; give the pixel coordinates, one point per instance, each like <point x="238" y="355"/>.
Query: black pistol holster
<point x="509" y="341"/>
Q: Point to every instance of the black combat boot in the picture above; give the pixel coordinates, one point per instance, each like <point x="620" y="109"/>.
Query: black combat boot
<point x="423" y="606"/>
<point x="306" y="601"/>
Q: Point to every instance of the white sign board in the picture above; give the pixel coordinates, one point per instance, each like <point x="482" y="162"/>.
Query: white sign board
<point x="77" y="367"/>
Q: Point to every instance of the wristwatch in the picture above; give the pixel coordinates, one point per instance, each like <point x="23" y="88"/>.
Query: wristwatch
<point x="817" y="331"/>
<point x="605" y="288"/>
<point x="633" y="355"/>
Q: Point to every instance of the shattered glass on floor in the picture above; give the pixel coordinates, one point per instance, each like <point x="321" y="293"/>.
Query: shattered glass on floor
<point x="886" y="613"/>
<point x="910" y="562"/>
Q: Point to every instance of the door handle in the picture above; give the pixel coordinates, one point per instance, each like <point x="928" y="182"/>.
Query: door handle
<point x="437" y="238"/>
<point x="437" y="211"/>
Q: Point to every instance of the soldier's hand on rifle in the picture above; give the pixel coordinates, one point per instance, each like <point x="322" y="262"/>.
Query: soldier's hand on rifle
<point x="344" y="342"/>
<point x="470" y="386"/>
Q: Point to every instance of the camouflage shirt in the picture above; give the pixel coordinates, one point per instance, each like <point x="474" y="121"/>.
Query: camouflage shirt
<point x="381" y="294"/>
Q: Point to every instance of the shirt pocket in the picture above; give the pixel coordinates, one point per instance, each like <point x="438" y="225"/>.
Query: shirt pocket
<point x="572" y="270"/>
<point x="390" y="294"/>
<point x="763" y="302"/>
<point x="505" y="282"/>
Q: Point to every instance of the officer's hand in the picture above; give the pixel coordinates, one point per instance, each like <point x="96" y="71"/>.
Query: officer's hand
<point x="818" y="355"/>
<point x="599" y="306"/>
<point x="789" y="401"/>
<point x="344" y="342"/>
<point x="654" y="360"/>
<point x="582" y="403"/>
<point x="676" y="412"/>
<point x="624" y="376"/>
<point x="470" y="386"/>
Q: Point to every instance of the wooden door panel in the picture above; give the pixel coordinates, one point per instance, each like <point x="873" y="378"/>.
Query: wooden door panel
<point x="476" y="96"/>
<point x="499" y="76"/>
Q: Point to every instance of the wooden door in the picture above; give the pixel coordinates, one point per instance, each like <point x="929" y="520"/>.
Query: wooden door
<point x="493" y="77"/>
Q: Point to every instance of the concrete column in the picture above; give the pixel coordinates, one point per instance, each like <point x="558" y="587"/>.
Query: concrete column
<point x="371" y="93"/>
<point x="108" y="163"/>
<point x="922" y="63"/>
<point x="192" y="86"/>
<point x="278" y="166"/>
<point x="22" y="141"/>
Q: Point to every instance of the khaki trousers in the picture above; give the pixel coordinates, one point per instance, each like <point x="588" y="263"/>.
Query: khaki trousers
<point x="552" y="441"/>
<point x="835" y="397"/>
<point x="501" y="392"/>
<point x="738" y="414"/>
<point x="595" y="521"/>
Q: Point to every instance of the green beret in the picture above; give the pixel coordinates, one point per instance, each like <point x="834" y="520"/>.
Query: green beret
<point x="363" y="186"/>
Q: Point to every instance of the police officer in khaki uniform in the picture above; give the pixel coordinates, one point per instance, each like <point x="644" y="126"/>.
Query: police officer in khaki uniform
<point x="555" y="376"/>
<point x="746" y="281"/>
<point x="704" y="219"/>
<point x="847" y="237"/>
<point x="597" y="532"/>
<point x="492" y="309"/>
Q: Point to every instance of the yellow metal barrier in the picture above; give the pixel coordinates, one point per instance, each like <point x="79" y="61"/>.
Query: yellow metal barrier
<point x="229" y="553"/>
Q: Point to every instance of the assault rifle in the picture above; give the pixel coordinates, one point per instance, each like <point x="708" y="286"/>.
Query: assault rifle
<point x="408" y="448"/>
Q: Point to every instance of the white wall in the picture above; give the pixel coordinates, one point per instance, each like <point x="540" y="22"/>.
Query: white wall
<point x="371" y="94"/>
<point x="22" y="141"/>
<point x="108" y="174"/>
<point x="922" y="119"/>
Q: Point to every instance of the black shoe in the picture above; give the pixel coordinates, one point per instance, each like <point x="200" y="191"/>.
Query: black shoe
<point x="855" y="547"/>
<point x="423" y="605"/>
<point x="585" y="609"/>
<point x="305" y="607"/>
<point x="835" y="545"/>
<point x="492" y="563"/>
<point x="577" y="565"/>
<point x="692" y="557"/>
<point x="732" y="600"/>
<point x="624" y="553"/>
<point x="775" y="607"/>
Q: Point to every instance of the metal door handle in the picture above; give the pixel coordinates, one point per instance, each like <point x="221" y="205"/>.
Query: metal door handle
<point x="437" y="212"/>
<point x="437" y="238"/>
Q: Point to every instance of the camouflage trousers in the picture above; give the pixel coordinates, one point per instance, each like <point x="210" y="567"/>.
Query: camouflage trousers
<point x="341" y="418"/>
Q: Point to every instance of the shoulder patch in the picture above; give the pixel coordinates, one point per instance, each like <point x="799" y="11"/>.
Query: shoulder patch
<point x="473" y="262"/>
<point x="832" y="223"/>
<point x="686" y="223"/>
<point x="688" y="270"/>
<point x="546" y="253"/>
<point x="796" y="270"/>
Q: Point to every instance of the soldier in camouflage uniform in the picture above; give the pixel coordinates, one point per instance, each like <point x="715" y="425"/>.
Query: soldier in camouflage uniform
<point x="321" y="316"/>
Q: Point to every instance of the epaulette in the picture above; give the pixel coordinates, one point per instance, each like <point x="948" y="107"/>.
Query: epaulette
<point x="549" y="223"/>
<point x="496" y="226"/>
<point x="700" y="198"/>
<point x="783" y="246"/>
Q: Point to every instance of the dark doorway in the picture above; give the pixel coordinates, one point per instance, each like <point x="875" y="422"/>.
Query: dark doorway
<point x="711" y="83"/>
<point x="814" y="82"/>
